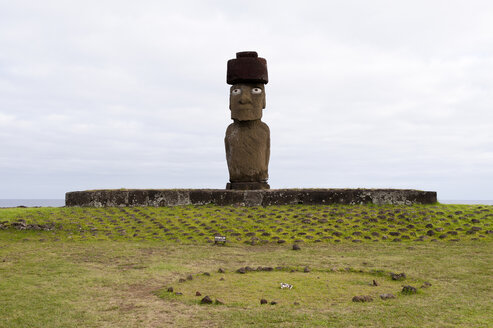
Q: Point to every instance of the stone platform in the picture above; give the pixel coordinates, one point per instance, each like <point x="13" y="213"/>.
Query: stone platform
<point x="173" y="197"/>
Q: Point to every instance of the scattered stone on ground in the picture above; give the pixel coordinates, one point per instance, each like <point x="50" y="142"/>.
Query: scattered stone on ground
<point x="189" y="277"/>
<point x="398" y="276"/>
<point x="219" y="302"/>
<point x="206" y="300"/>
<point x="178" y="294"/>
<point x="362" y="298"/>
<point x="241" y="270"/>
<point x="207" y="274"/>
<point x="273" y="303"/>
<point x="197" y="293"/>
<point x="296" y="303"/>
<point x="268" y="269"/>
<point x="306" y="269"/>
<point x="181" y="280"/>
<point x="426" y="284"/>
<point x="222" y="279"/>
<point x="221" y="270"/>
<point x="296" y="247"/>
<point x="387" y="296"/>
<point x="409" y="290"/>
<point x="21" y="224"/>
<point x="263" y="301"/>
<point x="286" y="286"/>
<point x="375" y="283"/>
<point x="170" y="289"/>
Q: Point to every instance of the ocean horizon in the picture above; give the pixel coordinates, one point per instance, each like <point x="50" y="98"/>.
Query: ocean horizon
<point x="32" y="202"/>
<point x="61" y="202"/>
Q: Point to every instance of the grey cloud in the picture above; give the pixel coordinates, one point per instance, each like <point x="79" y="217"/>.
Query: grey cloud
<point x="361" y="94"/>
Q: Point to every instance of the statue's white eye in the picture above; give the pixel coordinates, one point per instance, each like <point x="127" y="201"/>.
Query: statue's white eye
<point x="256" y="91"/>
<point x="235" y="92"/>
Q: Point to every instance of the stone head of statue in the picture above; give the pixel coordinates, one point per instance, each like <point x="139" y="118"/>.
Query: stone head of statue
<point x="246" y="101"/>
<point x="248" y="75"/>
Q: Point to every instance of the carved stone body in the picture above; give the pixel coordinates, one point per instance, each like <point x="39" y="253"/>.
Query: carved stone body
<point x="247" y="140"/>
<point x="247" y="153"/>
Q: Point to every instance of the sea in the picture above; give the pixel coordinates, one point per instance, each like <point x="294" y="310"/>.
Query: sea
<point x="32" y="202"/>
<point x="467" y="202"/>
<point x="61" y="202"/>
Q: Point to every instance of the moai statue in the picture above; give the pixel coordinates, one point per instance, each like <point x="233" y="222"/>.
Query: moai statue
<point x="247" y="139"/>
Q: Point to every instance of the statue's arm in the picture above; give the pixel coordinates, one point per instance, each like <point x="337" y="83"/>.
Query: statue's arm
<point x="267" y="150"/>
<point x="226" y="141"/>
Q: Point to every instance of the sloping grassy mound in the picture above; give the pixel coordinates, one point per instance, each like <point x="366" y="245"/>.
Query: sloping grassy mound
<point x="256" y="225"/>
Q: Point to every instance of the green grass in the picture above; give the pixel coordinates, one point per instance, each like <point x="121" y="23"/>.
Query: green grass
<point x="253" y="225"/>
<point x="89" y="270"/>
<point x="315" y="289"/>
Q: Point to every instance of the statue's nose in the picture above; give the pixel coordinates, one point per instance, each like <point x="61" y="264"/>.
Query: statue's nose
<point x="245" y="97"/>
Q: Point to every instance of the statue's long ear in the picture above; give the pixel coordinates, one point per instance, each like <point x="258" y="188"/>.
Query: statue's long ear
<point x="230" y="97"/>
<point x="264" y="102"/>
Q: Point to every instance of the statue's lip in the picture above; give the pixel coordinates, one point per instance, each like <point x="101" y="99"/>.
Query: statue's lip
<point x="249" y="103"/>
<point x="247" y="106"/>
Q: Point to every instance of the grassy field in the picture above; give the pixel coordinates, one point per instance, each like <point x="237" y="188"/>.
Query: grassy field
<point x="112" y="267"/>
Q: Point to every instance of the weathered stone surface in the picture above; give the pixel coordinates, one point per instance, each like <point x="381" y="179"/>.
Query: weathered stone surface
<point x="21" y="224"/>
<point x="247" y="185"/>
<point x="268" y="269"/>
<point x="387" y="296"/>
<point x="246" y="101"/>
<point x="247" y="139"/>
<point x="206" y="300"/>
<point x="247" y="152"/>
<point x="398" y="276"/>
<point x="174" y="197"/>
<point x="363" y="298"/>
<point x="426" y="284"/>
<point x="409" y="290"/>
<point x="247" y="66"/>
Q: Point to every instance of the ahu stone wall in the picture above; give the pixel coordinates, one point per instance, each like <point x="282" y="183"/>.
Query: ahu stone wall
<point x="174" y="197"/>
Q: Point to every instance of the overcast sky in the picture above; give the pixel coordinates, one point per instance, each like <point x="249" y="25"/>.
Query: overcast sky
<point x="361" y="94"/>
